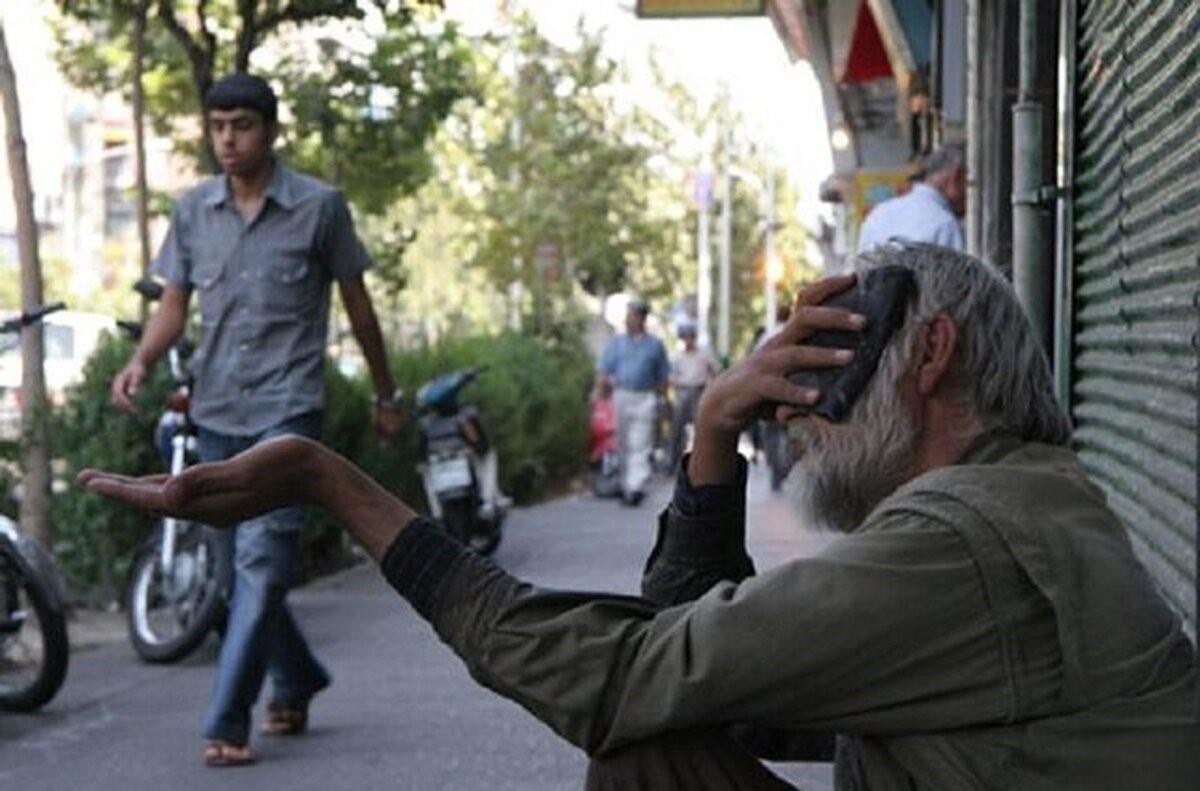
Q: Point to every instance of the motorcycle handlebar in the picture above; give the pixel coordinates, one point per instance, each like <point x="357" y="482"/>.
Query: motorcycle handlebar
<point x="150" y="290"/>
<point x="17" y="323"/>
<point x="133" y="329"/>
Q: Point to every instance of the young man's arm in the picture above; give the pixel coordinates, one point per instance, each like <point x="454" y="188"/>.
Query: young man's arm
<point x="163" y="328"/>
<point x="346" y="260"/>
<point x="389" y="411"/>
<point x="173" y="264"/>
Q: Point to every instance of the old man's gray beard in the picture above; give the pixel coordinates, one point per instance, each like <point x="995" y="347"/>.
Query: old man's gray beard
<point x="843" y="472"/>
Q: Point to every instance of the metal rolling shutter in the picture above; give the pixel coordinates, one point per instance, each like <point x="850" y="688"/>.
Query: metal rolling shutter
<point x="1137" y="276"/>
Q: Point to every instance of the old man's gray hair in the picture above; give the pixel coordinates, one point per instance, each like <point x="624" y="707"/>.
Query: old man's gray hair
<point x="945" y="158"/>
<point x="1001" y="371"/>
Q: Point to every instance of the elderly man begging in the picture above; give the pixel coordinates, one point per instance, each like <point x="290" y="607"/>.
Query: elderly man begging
<point x="982" y="623"/>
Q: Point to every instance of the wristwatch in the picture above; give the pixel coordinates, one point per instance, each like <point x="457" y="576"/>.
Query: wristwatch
<point x="394" y="401"/>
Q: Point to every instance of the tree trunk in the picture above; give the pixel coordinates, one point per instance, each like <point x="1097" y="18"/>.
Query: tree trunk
<point x="139" y="142"/>
<point x="35" y="440"/>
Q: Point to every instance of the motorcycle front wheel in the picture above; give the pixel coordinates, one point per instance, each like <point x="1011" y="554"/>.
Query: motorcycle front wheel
<point x="33" y="638"/>
<point x="170" y="611"/>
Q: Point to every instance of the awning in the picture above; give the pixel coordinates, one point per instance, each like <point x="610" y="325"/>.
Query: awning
<point x="868" y="57"/>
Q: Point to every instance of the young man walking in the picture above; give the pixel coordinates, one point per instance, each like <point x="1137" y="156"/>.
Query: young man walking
<point x="260" y="245"/>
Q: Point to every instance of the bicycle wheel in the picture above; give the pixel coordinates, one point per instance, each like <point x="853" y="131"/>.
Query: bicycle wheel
<point x="33" y="636"/>
<point x="169" y="612"/>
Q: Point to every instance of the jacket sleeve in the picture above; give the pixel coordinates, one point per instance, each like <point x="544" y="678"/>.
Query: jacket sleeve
<point x="701" y="540"/>
<point x="883" y="633"/>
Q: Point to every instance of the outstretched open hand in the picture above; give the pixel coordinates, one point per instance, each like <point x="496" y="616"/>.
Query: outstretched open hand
<point x="268" y="476"/>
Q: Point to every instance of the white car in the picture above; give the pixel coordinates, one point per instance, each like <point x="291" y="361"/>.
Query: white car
<point x="71" y="337"/>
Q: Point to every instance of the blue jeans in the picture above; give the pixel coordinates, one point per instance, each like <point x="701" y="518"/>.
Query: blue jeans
<point x="261" y="634"/>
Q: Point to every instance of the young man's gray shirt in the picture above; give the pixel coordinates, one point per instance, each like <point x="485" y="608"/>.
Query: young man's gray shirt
<point x="263" y="288"/>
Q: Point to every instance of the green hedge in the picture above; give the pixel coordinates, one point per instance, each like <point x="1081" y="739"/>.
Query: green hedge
<point x="532" y="397"/>
<point x="95" y="539"/>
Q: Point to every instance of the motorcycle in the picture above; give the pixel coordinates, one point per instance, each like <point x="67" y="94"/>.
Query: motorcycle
<point x="459" y="467"/>
<point x="34" y="651"/>
<point x="182" y="576"/>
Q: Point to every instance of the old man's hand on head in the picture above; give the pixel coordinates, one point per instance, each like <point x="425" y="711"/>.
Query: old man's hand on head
<point x="760" y="382"/>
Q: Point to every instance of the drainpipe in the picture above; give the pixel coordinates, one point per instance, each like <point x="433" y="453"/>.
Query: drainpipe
<point x="1064" y="275"/>
<point x="1029" y="262"/>
<point x="974" y="133"/>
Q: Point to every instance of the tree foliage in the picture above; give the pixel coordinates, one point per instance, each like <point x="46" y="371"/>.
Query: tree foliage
<point x="563" y="195"/>
<point x="348" y="111"/>
<point x="361" y="116"/>
<point x="566" y="178"/>
<point x="363" y="84"/>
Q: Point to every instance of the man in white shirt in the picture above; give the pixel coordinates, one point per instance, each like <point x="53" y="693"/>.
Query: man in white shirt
<point x="929" y="212"/>
<point x="691" y="369"/>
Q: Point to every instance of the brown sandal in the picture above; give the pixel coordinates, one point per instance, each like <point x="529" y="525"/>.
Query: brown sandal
<point x="285" y="719"/>
<point x="224" y="754"/>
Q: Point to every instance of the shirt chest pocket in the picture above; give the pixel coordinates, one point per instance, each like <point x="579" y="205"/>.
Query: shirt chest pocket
<point x="289" y="281"/>
<point x="208" y="276"/>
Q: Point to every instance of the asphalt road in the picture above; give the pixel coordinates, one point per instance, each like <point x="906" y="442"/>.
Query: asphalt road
<point x="402" y="713"/>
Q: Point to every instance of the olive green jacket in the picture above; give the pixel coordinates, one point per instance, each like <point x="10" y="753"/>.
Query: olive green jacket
<point x="987" y="627"/>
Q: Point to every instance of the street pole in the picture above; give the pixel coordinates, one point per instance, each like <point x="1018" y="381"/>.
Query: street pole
<point x="771" y="263"/>
<point x="704" y="259"/>
<point x="139" y="145"/>
<point x="726" y="235"/>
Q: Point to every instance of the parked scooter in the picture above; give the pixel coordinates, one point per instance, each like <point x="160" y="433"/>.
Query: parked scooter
<point x="182" y="576"/>
<point x="459" y="468"/>
<point x="33" y="630"/>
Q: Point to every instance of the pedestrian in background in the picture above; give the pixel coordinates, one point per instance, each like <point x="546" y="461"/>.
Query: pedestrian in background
<point x="691" y="369"/>
<point x="260" y="245"/>
<point x="635" y="365"/>
<point x="769" y="435"/>
<point x="929" y="211"/>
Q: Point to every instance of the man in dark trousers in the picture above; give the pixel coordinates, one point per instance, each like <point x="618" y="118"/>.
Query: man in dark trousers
<point x="692" y="368"/>
<point x="982" y="623"/>
<point x="260" y="246"/>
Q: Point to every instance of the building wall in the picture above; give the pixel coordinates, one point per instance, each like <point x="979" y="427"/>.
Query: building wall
<point x="1134" y="292"/>
<point x="80" y="154"/>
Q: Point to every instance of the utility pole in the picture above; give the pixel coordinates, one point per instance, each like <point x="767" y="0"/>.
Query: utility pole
<point x="726" y="232"/>
<point x="771" y="264"/>
<point x="703" y="197"/>
<point x="139" y="141"/>
<point x="35" y="440"/>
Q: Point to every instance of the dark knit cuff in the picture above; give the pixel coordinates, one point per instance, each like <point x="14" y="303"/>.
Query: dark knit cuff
<point x="417" y="563"/>
<point x="711" y="499"/>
